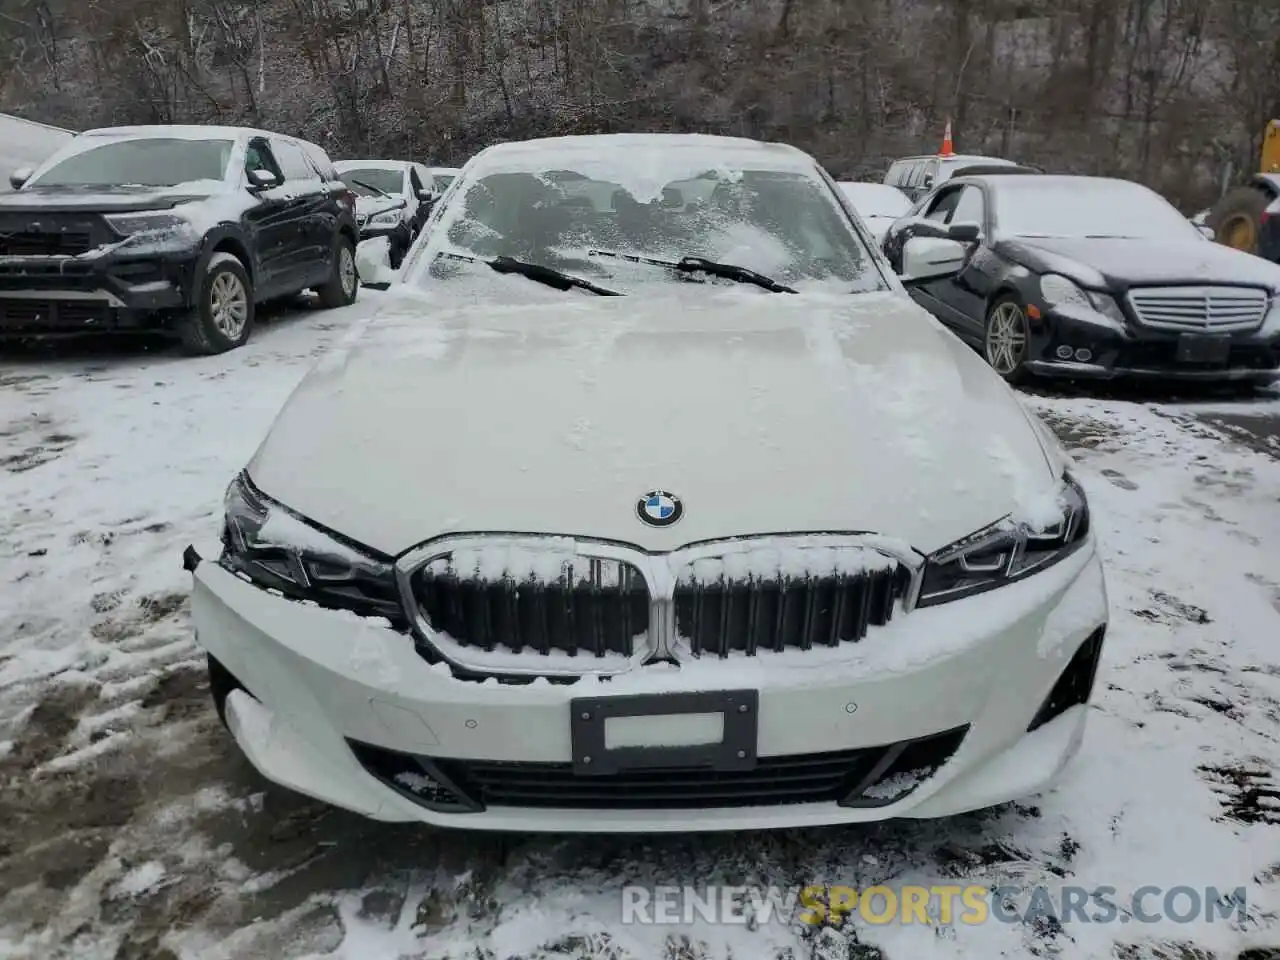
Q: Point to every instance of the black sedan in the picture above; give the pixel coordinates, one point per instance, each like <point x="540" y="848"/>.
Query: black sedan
<point x="1088" y="277"/>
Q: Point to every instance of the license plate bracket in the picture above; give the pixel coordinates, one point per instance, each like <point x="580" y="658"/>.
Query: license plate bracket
<point x="1203" y="348"/>
<point x="736" y="750"/>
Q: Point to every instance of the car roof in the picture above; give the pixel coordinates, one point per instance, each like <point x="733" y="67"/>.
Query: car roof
<point x="995" y="169"/>
<point x="960" y="158"/>
<point x="712" y="144"/>
<point x="375" y="164"/>
<point x="186" y="132"/>
<point x="1043" y="179"/>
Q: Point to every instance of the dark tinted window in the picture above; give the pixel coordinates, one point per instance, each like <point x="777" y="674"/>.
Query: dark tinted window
<point x="259" y="157"/>
<point x="293" y="161"/>
<point x="151" y="162"/>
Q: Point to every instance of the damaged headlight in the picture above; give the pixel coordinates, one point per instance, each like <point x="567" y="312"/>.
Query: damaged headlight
<point x="277" y="549"/>
<point x="1063" y="292"/>
<point x="1004" y="552"/>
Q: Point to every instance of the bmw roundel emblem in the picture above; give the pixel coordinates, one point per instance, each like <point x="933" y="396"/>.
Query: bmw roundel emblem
<point x="658" y="508"/>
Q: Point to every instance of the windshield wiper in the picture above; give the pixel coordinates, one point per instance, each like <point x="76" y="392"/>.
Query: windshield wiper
<point x="369" y="186"/>
<point x="728" y="271"/>
<point x="534" y="271"/>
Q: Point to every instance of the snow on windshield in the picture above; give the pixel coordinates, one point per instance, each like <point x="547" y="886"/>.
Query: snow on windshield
<point x="149" y="162"/>
<point x="781" y="222"/>
<point x="380" y="178"/>
<point x="1086" y="207"/>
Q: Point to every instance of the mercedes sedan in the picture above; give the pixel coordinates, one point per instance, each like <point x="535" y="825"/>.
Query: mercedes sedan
<point x="1093" y="278"/>
<point x="647" y="500"/>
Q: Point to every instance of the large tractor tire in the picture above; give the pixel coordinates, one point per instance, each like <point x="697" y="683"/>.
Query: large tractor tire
<point x="1237" y="218"/>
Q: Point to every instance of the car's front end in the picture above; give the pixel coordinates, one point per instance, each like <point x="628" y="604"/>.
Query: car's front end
<point x="1187" y="332"/>
<point x="1118" y="285"/>
<point x="552" y="608"/>
<point x="382" y="199"/>
<point x="78" y="256"/>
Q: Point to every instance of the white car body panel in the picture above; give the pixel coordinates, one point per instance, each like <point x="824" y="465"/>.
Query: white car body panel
<point x="746" y="394"/>
<point x="555" y="413"/>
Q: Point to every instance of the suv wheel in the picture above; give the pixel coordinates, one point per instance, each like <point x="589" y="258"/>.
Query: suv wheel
<point x="222" y="317"/>
<point x="341" y="289"/>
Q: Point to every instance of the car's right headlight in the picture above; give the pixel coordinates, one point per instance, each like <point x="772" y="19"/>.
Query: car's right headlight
<point x="1059" y="291"/>
<point x="1005" y="552"/>
<point x="275" y="548"/>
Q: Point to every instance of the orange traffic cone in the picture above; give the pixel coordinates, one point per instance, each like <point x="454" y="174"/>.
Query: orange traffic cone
<point x="948" y="149"/>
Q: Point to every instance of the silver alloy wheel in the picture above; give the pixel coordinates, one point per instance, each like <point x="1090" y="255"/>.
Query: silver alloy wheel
<point x="1006" y="338"/>
<point x="229" y="305"/>
<point x="346" y="270"/>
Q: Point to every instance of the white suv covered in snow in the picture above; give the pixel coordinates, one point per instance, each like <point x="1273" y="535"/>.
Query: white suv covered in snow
<point x="649" y="501"/>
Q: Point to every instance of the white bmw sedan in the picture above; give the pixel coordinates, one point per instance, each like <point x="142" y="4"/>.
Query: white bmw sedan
<point x="649" y="501"/>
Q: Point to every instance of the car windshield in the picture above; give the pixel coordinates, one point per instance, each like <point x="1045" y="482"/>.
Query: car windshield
<point x="783" y="223"/>
<point x="149" y="161"/>
<point x="388" y="181"/>
<point x="876" y="200"/>
<point x="1077" y="207"/>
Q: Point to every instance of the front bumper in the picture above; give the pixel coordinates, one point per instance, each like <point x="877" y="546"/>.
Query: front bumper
<point x="332" y="702"/>
<point x="1072" y="346"/>
<point x="122" y="290"/>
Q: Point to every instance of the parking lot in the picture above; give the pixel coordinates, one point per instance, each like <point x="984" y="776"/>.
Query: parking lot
<point x="130" y="826"/>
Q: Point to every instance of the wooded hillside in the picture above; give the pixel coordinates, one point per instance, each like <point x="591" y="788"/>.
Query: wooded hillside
<point x="1164" y="91"/>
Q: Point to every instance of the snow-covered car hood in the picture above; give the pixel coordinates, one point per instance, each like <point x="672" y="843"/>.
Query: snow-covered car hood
<point x="878" y="225"/>
<point x="764" y="414"/>
<point x="122" y="199"/>
<point x="368" y="206"/>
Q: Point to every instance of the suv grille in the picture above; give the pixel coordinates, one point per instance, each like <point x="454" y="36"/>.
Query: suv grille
<point x="44" y="244"/>
<point x="583" y="605"/>
<point x="1199" y="309"/>
<point x="52" y="315"/>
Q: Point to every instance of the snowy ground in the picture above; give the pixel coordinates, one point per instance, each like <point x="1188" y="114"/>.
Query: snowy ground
<point x="130" y="828"/>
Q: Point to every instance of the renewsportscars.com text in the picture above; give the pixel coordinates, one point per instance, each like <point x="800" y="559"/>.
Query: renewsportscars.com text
<point x="938" y="904"/>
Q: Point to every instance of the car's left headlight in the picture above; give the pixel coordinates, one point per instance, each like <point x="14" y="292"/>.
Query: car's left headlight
<point x="1005" y="552"/>
<point x="276" y="549"/>
<point x="386" y="219"/>
<point x="133" y="224"/>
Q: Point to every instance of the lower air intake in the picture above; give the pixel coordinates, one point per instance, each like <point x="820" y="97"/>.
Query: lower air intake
<point x="848" y="777"/>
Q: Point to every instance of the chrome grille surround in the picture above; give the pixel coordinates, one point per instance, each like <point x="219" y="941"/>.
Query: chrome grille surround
<point x="661" y="574"/>
<point x="1200" y="309"/>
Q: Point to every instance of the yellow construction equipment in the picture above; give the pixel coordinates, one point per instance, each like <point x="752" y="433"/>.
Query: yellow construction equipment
<point x="1248" y="217"/>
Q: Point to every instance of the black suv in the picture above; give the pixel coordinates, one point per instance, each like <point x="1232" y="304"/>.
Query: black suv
<point x="178" y="229"/>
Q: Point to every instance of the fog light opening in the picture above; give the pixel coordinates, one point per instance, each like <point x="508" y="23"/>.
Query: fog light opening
<point x="1064" y="352"/>
<point x="1084" y="355"/>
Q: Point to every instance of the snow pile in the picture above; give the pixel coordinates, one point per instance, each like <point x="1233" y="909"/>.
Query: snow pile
<point x="778" y="560"/>
<point x="898" y="784"/>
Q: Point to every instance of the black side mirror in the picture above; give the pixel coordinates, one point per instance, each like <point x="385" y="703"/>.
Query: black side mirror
<point x="427" y="196"/>
<point x="964" y="232"/>
<point x="20" y="177"/>
<point x="262" y="179"/>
